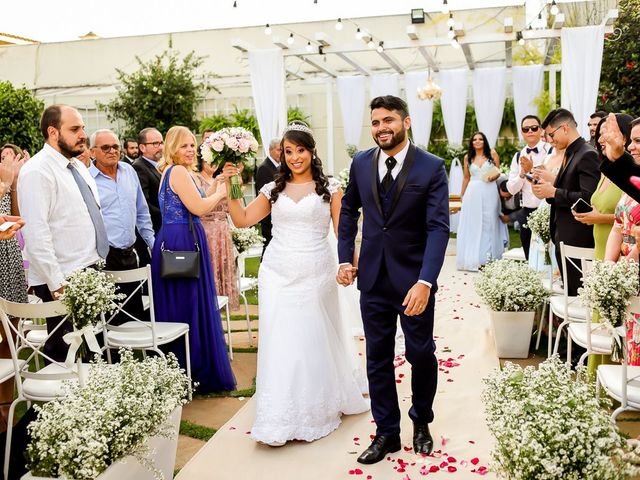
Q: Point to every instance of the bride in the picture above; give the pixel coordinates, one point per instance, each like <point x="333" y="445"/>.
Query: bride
<point x="307" y="373"/>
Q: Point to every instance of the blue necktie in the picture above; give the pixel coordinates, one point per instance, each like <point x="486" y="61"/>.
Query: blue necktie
<point x="102" y="242"/>
<point x="534" y="150"/>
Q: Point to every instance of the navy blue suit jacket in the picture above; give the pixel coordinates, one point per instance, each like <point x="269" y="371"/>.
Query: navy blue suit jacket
<point x="413" y="237"/>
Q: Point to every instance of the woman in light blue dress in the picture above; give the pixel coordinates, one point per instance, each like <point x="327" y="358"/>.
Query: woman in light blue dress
<point x="480" y="237"/>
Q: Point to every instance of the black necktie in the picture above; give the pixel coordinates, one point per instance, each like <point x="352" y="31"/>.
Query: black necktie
<point x="387" y="180"/>
<point x="534" y="150"/>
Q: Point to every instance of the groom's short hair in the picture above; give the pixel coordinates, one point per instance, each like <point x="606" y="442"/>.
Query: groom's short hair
<point x="391" y="103"/>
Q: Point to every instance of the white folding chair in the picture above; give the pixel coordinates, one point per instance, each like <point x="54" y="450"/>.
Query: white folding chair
<point x="621" y="382"/>
<point x="45" y="384"/>
<point x="245" y="284"/>
<point x="223" y="302"/>
<point x="553" y="288"/>
<point x="138" y="334"/>
<point x="568" y="307"/>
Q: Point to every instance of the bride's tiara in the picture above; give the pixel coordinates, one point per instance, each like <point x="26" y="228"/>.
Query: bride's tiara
<point x="300" y="127"/>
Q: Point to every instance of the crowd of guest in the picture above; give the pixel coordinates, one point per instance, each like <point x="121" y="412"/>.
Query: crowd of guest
<point x="101" y="200"/>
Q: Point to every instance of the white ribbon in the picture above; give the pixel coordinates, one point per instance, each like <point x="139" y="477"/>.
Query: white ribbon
<point x="74" y="340"/>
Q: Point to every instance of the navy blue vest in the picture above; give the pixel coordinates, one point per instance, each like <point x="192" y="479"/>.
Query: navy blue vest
<point x="387" y="199"/>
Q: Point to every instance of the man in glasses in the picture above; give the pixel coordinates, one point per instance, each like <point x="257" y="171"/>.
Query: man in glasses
<point x="124" y="209"/>
<point x="578" y="178"/>
<point x="151" y="146"/>
<point x="519" y="183"/>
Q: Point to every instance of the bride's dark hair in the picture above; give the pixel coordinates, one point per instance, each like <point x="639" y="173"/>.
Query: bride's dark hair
<point x="299" y="133"/>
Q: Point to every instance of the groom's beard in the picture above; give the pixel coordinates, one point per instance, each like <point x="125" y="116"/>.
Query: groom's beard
<point x="393" y="142"/>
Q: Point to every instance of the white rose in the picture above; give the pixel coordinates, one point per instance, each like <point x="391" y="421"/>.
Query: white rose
<point x="244" y="145"/>
<point x="232" y="143"/>
<point x="207" y="155"/>
<point x="218" y="145"/>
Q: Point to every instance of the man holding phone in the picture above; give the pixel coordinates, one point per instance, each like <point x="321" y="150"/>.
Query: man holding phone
<point x="520" y="174"/>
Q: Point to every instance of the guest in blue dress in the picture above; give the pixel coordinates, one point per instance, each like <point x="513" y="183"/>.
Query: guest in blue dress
<point x="192" y="301"/>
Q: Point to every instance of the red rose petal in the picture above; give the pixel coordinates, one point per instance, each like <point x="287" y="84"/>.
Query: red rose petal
<point x="443" y="464"/>
<point x="358" y="471"/>
<point x="475" y="460"/>
<point x="472" y="442"/>
<point x="449" y="379"/>
<point x="408" y="449"/>
<point x="451" y="460"/>
<point x="355" y="439"/>
<point x="452" y="469"/>
<point x="401" y="375"/>
<point x="434" y="468"/>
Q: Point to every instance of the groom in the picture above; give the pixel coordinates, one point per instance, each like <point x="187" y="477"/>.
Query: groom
<point x="403" y="193"/>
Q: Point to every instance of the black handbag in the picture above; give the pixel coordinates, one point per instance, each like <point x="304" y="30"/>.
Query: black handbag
<point x="182" y="264"/>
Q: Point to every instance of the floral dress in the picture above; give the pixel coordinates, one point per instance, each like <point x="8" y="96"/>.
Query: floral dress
<point x="627" y="215"/>
<point x="216" y="227"/>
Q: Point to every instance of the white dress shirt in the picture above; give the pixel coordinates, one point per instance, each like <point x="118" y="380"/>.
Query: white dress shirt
<point x="515" y="183"/>
<point x="275" y="164"/>
<point x="59" y="235"/>
<point x="400" y="156"/>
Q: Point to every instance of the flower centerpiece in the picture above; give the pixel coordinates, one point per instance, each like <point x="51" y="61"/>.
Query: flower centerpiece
<point x="236" y="145"/>
<point x="548" y="425"/>
<point x="87" y="293"/>
<point x="245" y="238"/>
<point x="606" y="289"/>
<point x="120" y="406"/>
<point x="512" y="291"/>
<point x="343" y="178"/>
<point x="539" y="222"/>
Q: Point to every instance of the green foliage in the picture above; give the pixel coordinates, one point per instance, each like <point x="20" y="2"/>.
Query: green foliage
<point x="543" y="103"/>
<point x="246" y="119"/>
<point x="20" y="115"/>
<point x="296" y="113"/>
<point x="160" y="94"/>
<point x="217" y="122"/>
<point x="620" y="75"/>
<point x="193" y="430"/>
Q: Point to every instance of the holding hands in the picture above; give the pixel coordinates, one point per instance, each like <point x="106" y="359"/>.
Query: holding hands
<point x="347" y="273"/>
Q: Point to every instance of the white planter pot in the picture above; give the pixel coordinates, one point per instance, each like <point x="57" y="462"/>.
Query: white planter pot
<point x="163" y="451"/>
<point x="512" y="333"/>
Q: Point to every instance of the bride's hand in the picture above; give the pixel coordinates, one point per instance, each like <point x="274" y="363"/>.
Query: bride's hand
<point x="221" y="187"/>
<point x="229" y="170"/>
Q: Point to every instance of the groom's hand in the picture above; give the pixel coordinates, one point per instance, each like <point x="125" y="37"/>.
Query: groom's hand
<point x="417" y="299"/>
<point x="346" y="274"/>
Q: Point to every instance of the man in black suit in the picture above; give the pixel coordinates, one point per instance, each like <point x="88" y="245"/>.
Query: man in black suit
<point x="620" y="165"/>
<point x="129" y="151"/>
<point x="265" y="174"/>
<point x="151" y="146"/>
<point x="578" y="178"/>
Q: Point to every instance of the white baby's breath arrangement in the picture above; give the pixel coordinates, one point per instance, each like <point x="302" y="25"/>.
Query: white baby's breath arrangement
<point x="510" y="286"/>
<point x="539" y="222"/>
<point x="88" y="293"/>
<point x="343" y="178"/>
<point x="606" y="289"/>
<point x="245" y="238"/>
<point x="548" y="425"/>
<point x="118" y="408"/>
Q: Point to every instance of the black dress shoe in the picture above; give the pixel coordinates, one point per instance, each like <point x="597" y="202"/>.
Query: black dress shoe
<point x="380" y="446"/>
<point x="422" y="439"/>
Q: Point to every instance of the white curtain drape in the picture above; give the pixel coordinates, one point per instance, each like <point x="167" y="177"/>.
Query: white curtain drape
<point x="267" y="85"/>
<point x="456" y="176"/>
<point x="453" y="102"/>
<point x="489" y="93"/>
<point x="581" y="63"/>
<point x="527" y="85"/>
<point x="421" y="111"/>
<point x="351" y="94"/>
<point x="384" y="85"/>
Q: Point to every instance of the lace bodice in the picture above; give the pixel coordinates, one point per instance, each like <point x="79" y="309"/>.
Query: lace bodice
<point x="477" y="172"/>
<point x="172" y="208"/>
<point x="300" y="214"/>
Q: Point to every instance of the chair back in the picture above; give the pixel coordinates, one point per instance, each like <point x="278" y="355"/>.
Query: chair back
<point x="141" y="275"/>
<point x="634" y="311"/>
<point x="580" y="258"/>
<point x="15" y="335"/>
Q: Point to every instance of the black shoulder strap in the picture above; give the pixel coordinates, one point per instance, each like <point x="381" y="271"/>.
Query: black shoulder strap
<point x="164" y="208"/>
<point x="518" y="158"/>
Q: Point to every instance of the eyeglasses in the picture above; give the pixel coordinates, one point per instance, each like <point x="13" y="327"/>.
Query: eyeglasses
<point x="551" y="134"/>
<point x="155" y="144"/>
<point x="533" y="128"/>
<point x="108" y="148"/>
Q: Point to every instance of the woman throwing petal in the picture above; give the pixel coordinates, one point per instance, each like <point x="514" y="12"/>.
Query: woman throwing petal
<point x="306" y="377"/>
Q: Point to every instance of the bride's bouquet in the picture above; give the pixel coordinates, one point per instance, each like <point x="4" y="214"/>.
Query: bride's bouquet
<point x="236" y="145"/>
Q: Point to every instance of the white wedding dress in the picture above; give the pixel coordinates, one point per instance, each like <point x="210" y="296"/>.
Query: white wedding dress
<point x="308" y="372"/>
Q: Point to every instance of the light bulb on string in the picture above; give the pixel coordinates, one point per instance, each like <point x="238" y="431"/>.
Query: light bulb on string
<point x="359" y="34"/>
<point x="371" y="44"/>
<point x="454" y="43"/>
<point x="554" y="8"/>
<point x="451" y="22"/>
<point x="290" y="40"/>
<point x="380" y="48"/>
<point x="520" y="38"/>
<point x="235" y="4"/>
<point x="339" y="24"/>
<point x="445" y="6"/>
<point x="267" y="30"/>
<point x="451" y="34"/>
<point x="309" y="47"/>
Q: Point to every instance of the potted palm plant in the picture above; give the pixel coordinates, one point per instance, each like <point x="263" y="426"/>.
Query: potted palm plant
<point x="512" y="292"/>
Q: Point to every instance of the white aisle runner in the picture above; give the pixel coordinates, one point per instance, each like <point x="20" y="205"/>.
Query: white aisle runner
<point x="462" y="442"/>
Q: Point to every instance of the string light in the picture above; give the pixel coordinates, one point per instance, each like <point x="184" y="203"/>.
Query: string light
<point x="454" y="43"/>
<point x="267" y="30"/>
<point x="359" y="34"/>
<point x="339" y="24"/>
<point x="380" y="48"/>
<point x="290" y="40"/>
<point x="235" y="4"/>
<point x="309" y="47"/>
<point x="554" y="8"/>
<point x="520" y="38"/>
<point x="445" y="6"/>
<point x="451" y="34"/>
<point x="451" y="22"/>
<point x="371" y="44"/>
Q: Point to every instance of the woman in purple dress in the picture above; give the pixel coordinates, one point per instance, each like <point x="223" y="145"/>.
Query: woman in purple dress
<point x="192" y="301"/>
